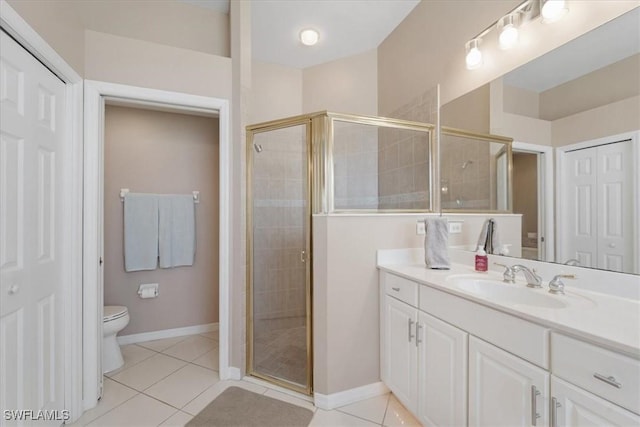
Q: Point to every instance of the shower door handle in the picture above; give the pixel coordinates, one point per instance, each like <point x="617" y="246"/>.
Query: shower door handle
<point x="303" y="256"/>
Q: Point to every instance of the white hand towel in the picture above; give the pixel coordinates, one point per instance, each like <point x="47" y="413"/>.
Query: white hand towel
<point x="177" y="234"/>
<point x="140" y="232"/>
<point x="436" y="243"/>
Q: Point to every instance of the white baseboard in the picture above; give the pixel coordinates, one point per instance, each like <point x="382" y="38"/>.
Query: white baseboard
<point x="335" y="400"/>
<point x="167" y="333"/>
<point x="232" y="373"/>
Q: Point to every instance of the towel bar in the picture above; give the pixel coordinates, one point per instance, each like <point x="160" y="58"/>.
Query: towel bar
<point x="196" y="195"/>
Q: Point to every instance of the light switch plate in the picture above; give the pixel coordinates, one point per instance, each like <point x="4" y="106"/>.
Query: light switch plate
<point x="455" y="227"/>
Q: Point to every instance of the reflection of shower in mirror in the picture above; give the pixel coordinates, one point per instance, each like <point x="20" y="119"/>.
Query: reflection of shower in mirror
<point x="466" y="164"/>
<point x="257" y="147"/>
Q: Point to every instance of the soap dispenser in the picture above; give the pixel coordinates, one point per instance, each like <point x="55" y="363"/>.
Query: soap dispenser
<point x="482" y="261"/>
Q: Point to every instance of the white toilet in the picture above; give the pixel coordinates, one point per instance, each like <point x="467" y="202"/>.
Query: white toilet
<point x="114" y="319"/>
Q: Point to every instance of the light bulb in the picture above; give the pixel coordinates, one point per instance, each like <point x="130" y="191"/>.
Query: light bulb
<point x="474" y="55"/>
<point x="553" y="10"/>
<point x="309" y="37"/>
<point x="508" y="30"/>
<point x="508" y="37"/>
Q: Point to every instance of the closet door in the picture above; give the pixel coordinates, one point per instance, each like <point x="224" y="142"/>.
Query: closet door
<point x="31" y="234"/>
<point x="615" y="207"/>
<point x="579" y="207"/>
<point x="598" y="207"/>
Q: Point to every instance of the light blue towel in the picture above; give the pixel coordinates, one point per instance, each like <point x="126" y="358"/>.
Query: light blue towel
<point x="177" y="231"/>
<point x="140" y="232"/>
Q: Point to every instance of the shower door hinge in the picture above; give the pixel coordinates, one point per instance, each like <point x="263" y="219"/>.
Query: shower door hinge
<point x="303" y="256"/>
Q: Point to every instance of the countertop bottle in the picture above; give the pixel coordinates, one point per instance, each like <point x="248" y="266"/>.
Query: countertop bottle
<point x="482" y="261"/>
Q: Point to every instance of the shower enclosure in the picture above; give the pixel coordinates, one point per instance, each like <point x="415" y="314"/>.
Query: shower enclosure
<point x="320" y="163"/>
<point x="279" y="243"/>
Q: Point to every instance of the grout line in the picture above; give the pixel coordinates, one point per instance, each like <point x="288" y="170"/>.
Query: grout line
<point x="358" y="416"/>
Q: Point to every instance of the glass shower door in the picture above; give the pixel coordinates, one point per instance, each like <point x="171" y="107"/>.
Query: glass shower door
<point x="279" y="326"/>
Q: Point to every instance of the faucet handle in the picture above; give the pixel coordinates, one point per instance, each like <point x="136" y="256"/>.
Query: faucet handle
<point x="509" y="276"/>
<point x="556" y="285"/>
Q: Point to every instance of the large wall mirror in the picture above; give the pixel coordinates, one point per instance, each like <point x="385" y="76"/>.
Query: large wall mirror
<point x="574" y="116"/>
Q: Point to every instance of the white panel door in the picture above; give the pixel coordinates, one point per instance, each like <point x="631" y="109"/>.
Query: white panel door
<point x="579" y="207"/>
<point x="505" y="390"/>
<point x="575" y="407"/>
<point x="401" y="353"/>
<point x="615" y="206"/>
<point x="442" y="373"/>
<point x="31" y="299"/>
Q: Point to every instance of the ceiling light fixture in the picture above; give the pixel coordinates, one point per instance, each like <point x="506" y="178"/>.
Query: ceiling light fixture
<point x="508" y="30"/>
<point x="474" y="54"/>
<point x="508" y="26"/>
<point x="309" y="37"/>
<point x="552" y="10"/>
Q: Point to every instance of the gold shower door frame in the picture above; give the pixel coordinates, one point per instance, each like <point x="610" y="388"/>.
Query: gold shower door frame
<point x="251" y="132"/>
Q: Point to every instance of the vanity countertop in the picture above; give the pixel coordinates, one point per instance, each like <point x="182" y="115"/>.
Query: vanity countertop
<point x="608" y="320"/>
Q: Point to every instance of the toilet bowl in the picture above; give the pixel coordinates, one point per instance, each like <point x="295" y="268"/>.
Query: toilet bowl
<point x="114" y="319"/>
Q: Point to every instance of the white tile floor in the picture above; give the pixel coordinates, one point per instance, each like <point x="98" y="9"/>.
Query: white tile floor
<point x="167" y="382"/>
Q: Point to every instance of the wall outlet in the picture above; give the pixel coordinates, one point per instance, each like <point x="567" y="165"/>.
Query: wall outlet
<point x="455" y="227"/>
<point x="420" y="227"/>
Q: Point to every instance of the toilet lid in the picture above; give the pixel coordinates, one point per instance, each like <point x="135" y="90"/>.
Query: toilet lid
<point x="112" y="312"/>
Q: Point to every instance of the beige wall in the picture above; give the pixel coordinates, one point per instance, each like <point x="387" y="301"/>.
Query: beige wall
<point x="345" y="288"/>
<point x="525" y="193"/>
<point x="612" y="119"/>
<point x="133" y="62"/>
<point x="276" y="92"/>
<point x="470" y="111"/>
<point x="59" y="23"/>
<point x="613" y="83"/>
<point x="170" y="23"/>
<point x="522" y="102"/>
<point x="62" y="24"/>
<point x="169" y="153"/>
<point x="348" y="85"/>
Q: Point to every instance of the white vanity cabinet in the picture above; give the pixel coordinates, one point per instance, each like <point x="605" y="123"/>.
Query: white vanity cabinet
<point x="574" y="407"/>
<point x="400" y="353"/>
<point x="592" y="385"/>
<point x="455" y="362"/>
<point x="505" y="390"/>
<point x="442" y="373"/>
<point x="424" y="360"/>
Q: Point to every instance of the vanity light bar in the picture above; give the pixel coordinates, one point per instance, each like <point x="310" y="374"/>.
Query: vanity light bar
<point x="507" y="26"/>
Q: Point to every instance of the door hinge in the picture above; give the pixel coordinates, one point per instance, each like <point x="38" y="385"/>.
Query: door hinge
<point x="100" y="262"/>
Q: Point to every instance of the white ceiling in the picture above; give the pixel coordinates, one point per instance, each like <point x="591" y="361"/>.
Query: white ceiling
<point x="347" y="27"/>
<point x="609" y="43"/>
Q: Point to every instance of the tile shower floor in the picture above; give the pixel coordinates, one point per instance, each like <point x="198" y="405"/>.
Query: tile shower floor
<point x="282" y="353"/>
<point x="167" y="382"/>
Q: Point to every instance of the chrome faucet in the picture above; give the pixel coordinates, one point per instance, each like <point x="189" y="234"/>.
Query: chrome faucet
<point x="533" y="280"/>
<point x="509" y="276"/>
<point x="556" y="286"/>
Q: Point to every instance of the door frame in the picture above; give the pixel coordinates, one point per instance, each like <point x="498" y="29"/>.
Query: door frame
<point x="546" y="209"/>
<point x="71" y="156"/>
<point x="96" y="93"/>
<point x="561" y="154"/>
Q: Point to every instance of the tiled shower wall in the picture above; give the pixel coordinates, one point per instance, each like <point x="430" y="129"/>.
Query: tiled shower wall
<point x="466" y="171"/>
<point x="404" y="180"/>
<point x="279" y="208"/>
<point x="355" y="166"/>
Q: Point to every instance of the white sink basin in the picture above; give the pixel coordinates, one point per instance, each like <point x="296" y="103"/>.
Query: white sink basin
<point x="515" y="294"/>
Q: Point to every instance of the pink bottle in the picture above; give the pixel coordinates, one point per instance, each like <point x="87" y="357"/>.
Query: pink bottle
<point x="482" y="261"/>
